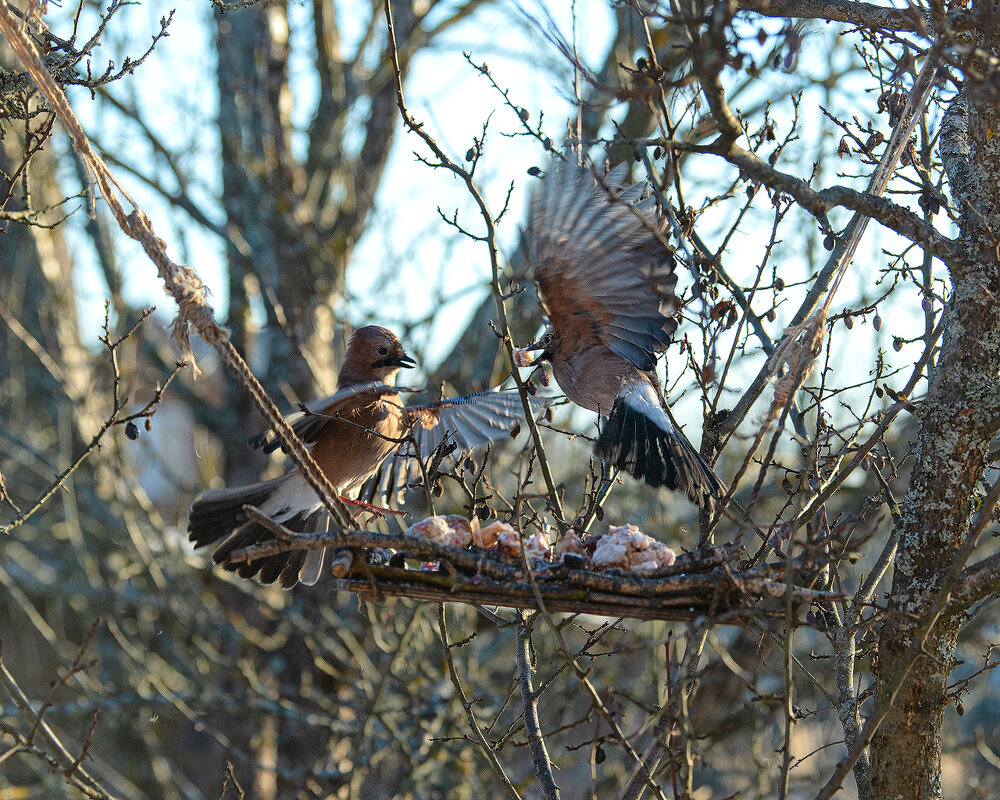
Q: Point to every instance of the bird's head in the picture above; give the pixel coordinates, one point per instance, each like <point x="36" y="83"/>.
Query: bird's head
<point x="373" y="354"/>
<point x="546" y="343"/>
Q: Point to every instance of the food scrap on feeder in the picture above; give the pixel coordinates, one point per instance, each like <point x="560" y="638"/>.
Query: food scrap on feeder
<point x="488" y="534"/>
<point x="569" y="544"/>
<point x="626" y="547"/>
<point x="451" y="530"/>
<point x="623" y="547"/>
<point x="537" y="547"/>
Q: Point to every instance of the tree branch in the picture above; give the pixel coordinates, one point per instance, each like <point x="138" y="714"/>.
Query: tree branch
<point x="863" y="15"/>
<point x="529" y="700"/>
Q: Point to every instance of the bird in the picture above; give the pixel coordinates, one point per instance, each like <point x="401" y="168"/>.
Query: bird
<point x="350" y="434"/>
<point x="606" y="281"/>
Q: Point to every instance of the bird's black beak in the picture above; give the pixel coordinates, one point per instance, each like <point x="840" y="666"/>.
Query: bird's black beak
<point x="403" y="361"/>
<point x="395" y="361"/>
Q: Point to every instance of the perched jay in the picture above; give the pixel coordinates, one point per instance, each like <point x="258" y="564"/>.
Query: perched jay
<point x="349" y="435"/>
<point x="607" y="285"/>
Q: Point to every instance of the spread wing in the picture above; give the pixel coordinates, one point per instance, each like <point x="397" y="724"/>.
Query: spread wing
<point x="603" y="275"/>
<point x="470" y="422"/>
<point x="308" y="424"/>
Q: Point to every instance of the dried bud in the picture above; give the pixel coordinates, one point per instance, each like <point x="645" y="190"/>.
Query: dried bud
<point x="959" y="709"/>
<point x="877" y="322"/>
<point x="515" y="430"/>
<point x="773" y="158"/>
<point x="719" y="310"/>
<point x="844" y="149"/>
<point x="848" y="322"/>
<point x="928" y="203"/>
<point x="829" y="242"/>
<point x="543" y="377"/>
<point x="878" y="391"/>
<point x="927" y="304"/>
<point x="657" y="152"/>
<point x="897" y="343"/>
<point x="779" y="285"/>
<point x="534" y="172"/>
<point x="599" y="512"/>
<point x="874" y="140"/>
<point x="771" y="316"/>
<point x="470" y="154"/>
<point x="132" y="430"/>
<point x="149" y="424"/>
<point x="599" y="755"/>
<point x="523" y="114"/>
<point x="547" y="143"/>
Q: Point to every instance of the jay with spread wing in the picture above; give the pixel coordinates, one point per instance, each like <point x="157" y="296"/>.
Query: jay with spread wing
<point x="607" y="284"/>
<point x="349" y="435"/>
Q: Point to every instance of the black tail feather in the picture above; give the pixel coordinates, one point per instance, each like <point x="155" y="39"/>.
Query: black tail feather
<point x="219" y="515"/>
<point x="640" y="447"/>
<point x="270" y="568"/>
<point x="215" y="514"/>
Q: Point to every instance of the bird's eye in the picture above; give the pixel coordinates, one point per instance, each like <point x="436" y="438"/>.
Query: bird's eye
<point x="382" y="350"/>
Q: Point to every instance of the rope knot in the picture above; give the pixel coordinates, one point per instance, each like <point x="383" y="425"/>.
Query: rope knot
<point x="183" y="284"/>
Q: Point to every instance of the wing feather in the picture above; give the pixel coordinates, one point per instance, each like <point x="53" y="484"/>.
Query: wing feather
<point x="603" y="275"/>
<point x="471" y="421"/>
<point x="309" y="424"/>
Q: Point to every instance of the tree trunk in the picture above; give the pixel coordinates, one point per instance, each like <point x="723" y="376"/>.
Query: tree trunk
<point x="957" y="421"/>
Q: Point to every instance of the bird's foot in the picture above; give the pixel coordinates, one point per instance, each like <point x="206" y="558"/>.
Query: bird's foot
<point x="377" y="511"/>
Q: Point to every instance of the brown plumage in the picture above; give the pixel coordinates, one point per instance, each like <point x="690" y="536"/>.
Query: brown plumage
<point x="350" y="434"/>
<point x="607" y="284"/>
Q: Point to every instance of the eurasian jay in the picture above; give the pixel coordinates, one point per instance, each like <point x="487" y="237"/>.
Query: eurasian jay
<point x="607" y="284"/>
<point x="350" y="434"/>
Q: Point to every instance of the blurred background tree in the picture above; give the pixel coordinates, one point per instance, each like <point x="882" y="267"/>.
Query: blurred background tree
<point x="265" y="141"/>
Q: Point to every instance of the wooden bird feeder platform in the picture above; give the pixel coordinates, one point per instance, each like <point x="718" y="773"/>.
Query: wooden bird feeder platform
<point x="377" y="566"/>
<point x="697" y="585"/>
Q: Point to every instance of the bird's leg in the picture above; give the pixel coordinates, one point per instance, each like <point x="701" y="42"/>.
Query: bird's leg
<point x="378" y="511"/>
